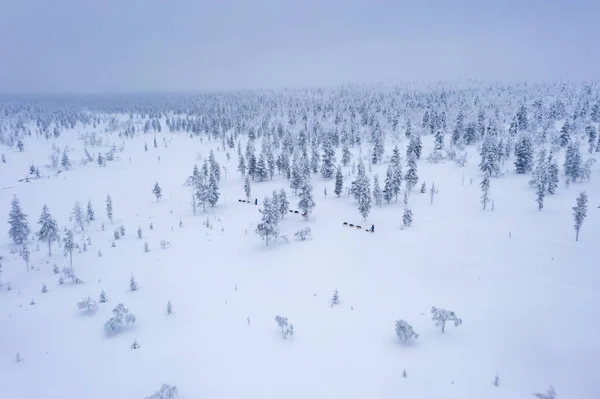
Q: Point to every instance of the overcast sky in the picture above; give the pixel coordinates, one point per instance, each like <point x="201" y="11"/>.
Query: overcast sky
<point x="174" y="45"/>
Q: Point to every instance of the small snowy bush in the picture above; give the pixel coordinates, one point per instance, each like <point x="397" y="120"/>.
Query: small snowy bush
<point x="441" y="316"/>
<point x="550" y="394"/>
<point x="335" y="299"/>
<point x="133" y="284"/>
<point x="120" y="318"/>
<point x="303" y="234"/>
<point x="103" y="298"/>
<point x="135" y="344"/>
<point x="405" y="331"/>
<point x="286" y="329"/>
<point x="87" y="305"/>
<point x="18" y="358"/>
<point x="169" y="307"/>
<point x="165" y="392"/>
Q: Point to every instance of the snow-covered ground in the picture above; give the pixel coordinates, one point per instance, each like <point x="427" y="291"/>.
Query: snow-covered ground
<point x="527" y="293"/>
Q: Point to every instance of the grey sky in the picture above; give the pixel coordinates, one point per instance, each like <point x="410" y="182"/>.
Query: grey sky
<point x="168" y="45"/>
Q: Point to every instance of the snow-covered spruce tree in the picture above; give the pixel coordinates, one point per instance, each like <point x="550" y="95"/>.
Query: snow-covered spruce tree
<point x="267" y="228"/>
<point x="432" y="192"/>
<point x="565" y="134"/>
<point x="275" y="202"/>
<point x="388" y="187"/>
<point x="363" y="193"/>
<point x="215" y="168"/>
<point x="286" y="329"/>
<point x="485" y="191"/>
<point x="247" y="188"/>
<point x="109" y="208"/>
<point x="157" y="191"/>
<point x="121" y="316"/>
<point x="497" y="380"/>
<point x="102" y="297"/>
<point x="489" y="155"/>
<point x="133" y="286"/>
<point x="328" y="165"/>
<point x="590" y="130"/>
<point x="261" y="173"/>
<point x="439" y="140"/>
<point x="552" y="171"/>
<point x="169" y="307"/>
<point x="540" y="193"/>
<point x="77" y="215"/>
<point x="69" y="245"/>
<point x="65" y="162"/>
<point x="166" y="391"/>
<point x="550" y="394"/>
<point x="339" y="181"/>
<point x="411" y="177"/>
<point x="19" y="228"/>
<point x="24" y="254"/>
<point x="441" y="316"/>
<point x="242" y="166"/>
<point x="573" y="163"/>
<point x="306" y="202"/>
<point x="335" y="298"/>
<point x="139" y="233"/>
<point x="346" y="155"/>
<point x="524" y="155"/>
<point x="87" y="305"/>
<point x="48" y="229"/>
<point x="423" y="189"/>
<point x="284" y="204"/>
<point x="90" y="216"/>
<point x="580" y="212"/>
<point x="213" y="190"/>
<point x="314" y="157"/>
<point x="405" y="331"/>
<point x="377" y="193"/>
<point x="407" y="217"/>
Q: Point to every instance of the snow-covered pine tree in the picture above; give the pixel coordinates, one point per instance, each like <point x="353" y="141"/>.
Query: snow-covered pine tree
<point x="405" y="331"/>
<point x="489" y="155"/>
<point x="251" y="169"/>
<point x="90" y="216"/>
<point x="284" y="204"/>
<point x="565" y="134"/>
<point x="552" y="170"/>
<point x="388" y="187"/>
<point x="580" y="212"/>
<point x="339" y="181"/>
<point x="590" y="130"/>
<point x="77" y="215"/>
<point x="242" y="165"/>
<point x="524" y="155"/>
<point x="69" y="245"/>
<point x="407" y="217"/>
<point x="65" y="162"/>
<point x="215" y="168"/>
<point x="109" y="208"/>
<point x="314" y="157"/>
<point x="346" y="155"/>
<point x="157" y="191"/>
<point x="377" y="194"/>
<point x="441" y="316"/>
<point x="247" y="188"/>
<point x="306" y="202"/>
<point x="411" y="176"/>
<point x="540" y="193"/>
<point x="485" y="191"/>
<point x="24" y="254"/>
<point x="328" y="165"/>
<point x="573" y="163"/>
<point x="267" y="228"/>
<point x="48" y="229"/>
<point x="439" y="140"/>
<point x="261" y="172"/>
<point x="213" y="190"/>
<point x="19" y="228"/>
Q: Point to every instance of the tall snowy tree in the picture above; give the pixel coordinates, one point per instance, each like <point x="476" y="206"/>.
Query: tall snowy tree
<point x="213" y="190"/>
<point x="485" y="191"/>
<point x="314" y="157"/>
<point x="157" y="191"/>
<point x="109" y="208"/>
<point x="489" y="155"/>
<point x="77" y="215"/>
<point x="297" y="177"/>
<point x="592" y="135"/>
<point x="339" y="182"/>
<point x="267" y="228"/>
<point x="306" y="203"/>
<point x="242" y="165"/>
<point x="552" y="171"/>
<point x="346" y="155"/>
<point x="261" y="173"/>
<point x="377" y="194"/>
<point x="524" y="154"/>
<point x="573" y="163"/>
<point x="565" y="134"/>
<point x="65" y="162"/>
<point x="388" y="187"/>
<point x="48" y="229"/>
<point x="90" y="216"/>
<point x="411" y="177"/>
<point x="19" y="228"/>
<point x="247" y="188"/>
<point x="580" y="212"/>
<point x="284" y="204"/>
<point x="328" y="165"/>
<point x="215" y="168"/>
<point x="69" y="245"/>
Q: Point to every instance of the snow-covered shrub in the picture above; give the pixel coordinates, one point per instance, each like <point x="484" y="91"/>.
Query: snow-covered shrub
<point x="116" y="235"/>
<point x="550" y="394"/>
<point x="303" y="234"/>
<point x="335" y="299"/>
<point x="87" y="305"/>
<point x="460" y="159"/>
<point x="169" y="307"/>
<point x="436" y="157"/>
<point x="120" y="318"/>
<point x="103" y="297"/>
<point x="135" y="344"/>
<point x="165" y="244"/>
<point x="497" y="380"/>
<point x="165" y="392"/>
<point x="69" y="276"/>
<point x="405" y="331"/>
<point x="55" y="269"/>
<point x="146" y="249"/>
<point x="441" y="316"/>
<point x="18" y="358"/>
<point x="286" y="329"/>
<point x="44" y="289"/>
<point x="133" y="284"/>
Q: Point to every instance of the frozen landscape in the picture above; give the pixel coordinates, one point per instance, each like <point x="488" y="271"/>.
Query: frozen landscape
<point x="456" y="227"/>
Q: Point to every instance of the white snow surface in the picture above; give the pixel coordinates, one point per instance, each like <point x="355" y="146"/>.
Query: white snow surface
<point x="529" y="302"/>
